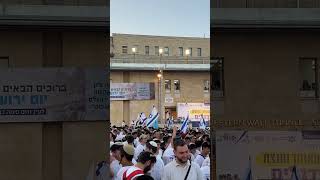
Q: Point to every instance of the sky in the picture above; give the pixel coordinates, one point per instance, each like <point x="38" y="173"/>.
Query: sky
<point x="186" y="18"/>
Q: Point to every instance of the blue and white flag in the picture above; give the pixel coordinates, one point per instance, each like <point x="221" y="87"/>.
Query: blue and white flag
<point x="153" y="118"/>
<point x="248" y="174"/>
<point x="184" y="125"/>
<point x="170" y="122"/>
<point x="141" y="120"/>
<point x="202" y="124"/>
<point x="294" y="175"/>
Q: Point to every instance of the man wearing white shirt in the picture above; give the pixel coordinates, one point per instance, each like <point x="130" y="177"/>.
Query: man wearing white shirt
<point x="126" y="153"/>
<point x="206" y="169"/>
<point x="204" y="153"/>
<point x="181" y="167"/>
<point x="141" y="146"/>
<point x="168" y="154"/>
<point x="115" y="158"/>
<point x="157" y="169"/>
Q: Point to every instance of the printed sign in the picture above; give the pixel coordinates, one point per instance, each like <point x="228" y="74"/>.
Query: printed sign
<point x="281" y="155"/>
<point x="132" y="91"/>
<point x="53" y="94"/>
<point x="195" y="110"/>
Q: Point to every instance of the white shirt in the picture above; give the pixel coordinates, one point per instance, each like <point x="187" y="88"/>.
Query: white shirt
<point x="175" y="171"/>
<point x="138" y="150"/>
<point x="206" y="172"/>
<point x="199" y="160"/>
<point x="136" y="142"/>
<point x="157" y="170"/>
<point x="115" y="167"/>
<point x="160" y="154"/>
<point x="168" y="155"/>
<point x="192" y="157"/>
<point x="197" y="153"/>
<point x="121" y="171"/>
<point x="206" y="162"/>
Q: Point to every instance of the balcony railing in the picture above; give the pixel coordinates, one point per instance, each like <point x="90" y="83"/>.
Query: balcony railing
<point x="159" y="60"/>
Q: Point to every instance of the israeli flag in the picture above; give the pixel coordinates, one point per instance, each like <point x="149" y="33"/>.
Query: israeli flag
<point x="248" y="175"/>
<point x="202" y="124"/>
<point x="294" y="175"/>
<point x="143" y="119"/>
<point x="153" y="118"/>
<point x="184" y="125"/>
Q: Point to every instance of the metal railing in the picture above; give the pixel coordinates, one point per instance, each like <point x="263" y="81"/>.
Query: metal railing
<point x="159" y="60"/>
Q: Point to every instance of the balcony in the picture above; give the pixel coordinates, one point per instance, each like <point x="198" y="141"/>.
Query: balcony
<point x="174" y="63"/>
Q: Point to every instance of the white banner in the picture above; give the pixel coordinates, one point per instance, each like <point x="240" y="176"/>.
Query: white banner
<point x="132" y="91"/>
<point x="195" y="110"/>
<point x="53" y="94"/>
<point x="281" y="155"/>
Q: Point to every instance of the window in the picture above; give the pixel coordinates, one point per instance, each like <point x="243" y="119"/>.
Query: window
<point x="176" y="84"/>
<point x="167" y="85"/>
<point x="199" y="52"/>
<point x="124" y="49"/>
<point x="190" y="49"/>
<point x="147" y="50"/>
<point x="308" y="77"/>
<point x="166" y="51"/>
<point x="206" y="85"/>
<point x="180" y="51"/>
<point x="135" y="49"/>
<point x="217" y="77"/>
<point x="156" y="50"/>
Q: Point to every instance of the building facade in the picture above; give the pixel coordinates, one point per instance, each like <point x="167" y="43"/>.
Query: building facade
<point x="184" y="62"/>
<point x="45" y="34"/>
<point x="270" y="74"/>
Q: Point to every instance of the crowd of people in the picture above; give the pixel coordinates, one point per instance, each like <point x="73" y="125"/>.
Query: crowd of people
<point x="140" y="153"/>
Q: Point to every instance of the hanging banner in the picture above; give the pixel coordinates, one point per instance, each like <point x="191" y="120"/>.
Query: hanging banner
<point x="195" y="110"/>
<point x="53" y="94"/>
<point x="281" y="155"/>
<point x="132" y="91"/>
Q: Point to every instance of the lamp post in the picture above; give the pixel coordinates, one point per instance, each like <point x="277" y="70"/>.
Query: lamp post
<point x="159" y="75"/>
<point x="134" y="53"/>
<point x="187" y="53"/>
<point x="160" y="53"/>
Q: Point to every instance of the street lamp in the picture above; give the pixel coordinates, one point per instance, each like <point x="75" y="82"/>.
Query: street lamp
<point x="159" y="75"/>
<point x="134" y="53"/>
<point x="187" y="53"/>
<point x="160" y="53"/>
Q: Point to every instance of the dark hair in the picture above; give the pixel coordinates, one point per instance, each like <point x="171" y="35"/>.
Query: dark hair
<point x="115" y="147"/>
<point x="144" y="177"/>
<point x="198" y="143"/>
<point x="192" y="146"/>
<point x="165" y="139"/>
<point x="145" y="156"/>
<point x="126" y="155"/>
<point x="130" y="139"/>
<point x="178" y="142"/>
<point x="205" y="145"/>
<point x="152" y="148"/>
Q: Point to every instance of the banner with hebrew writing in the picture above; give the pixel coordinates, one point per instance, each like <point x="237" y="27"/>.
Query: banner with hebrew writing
<point x="262" y="155"/>
<point x="132" y="91"/>
<point x="53" y="94"/>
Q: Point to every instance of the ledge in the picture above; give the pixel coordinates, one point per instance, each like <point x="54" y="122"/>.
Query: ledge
<point x="265" y="18"/>
<point x="153" y="67"/>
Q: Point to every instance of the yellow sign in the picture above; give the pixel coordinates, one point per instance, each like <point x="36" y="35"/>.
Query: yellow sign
<point x="285" y="159"/>
<point x="199" y="112"/>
